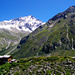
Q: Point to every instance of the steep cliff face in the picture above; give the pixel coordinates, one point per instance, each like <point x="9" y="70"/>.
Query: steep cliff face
<point x="57" y="37"/>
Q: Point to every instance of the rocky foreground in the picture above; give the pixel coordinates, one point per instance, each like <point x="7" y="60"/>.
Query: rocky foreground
<point x="40" y="66"/>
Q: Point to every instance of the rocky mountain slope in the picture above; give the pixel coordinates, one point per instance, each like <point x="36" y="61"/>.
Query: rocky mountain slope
<point x="13" y="30"/>
<point x="56" y="37"/>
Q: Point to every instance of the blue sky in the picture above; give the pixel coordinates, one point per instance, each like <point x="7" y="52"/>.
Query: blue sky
<point x="40" y="9"/>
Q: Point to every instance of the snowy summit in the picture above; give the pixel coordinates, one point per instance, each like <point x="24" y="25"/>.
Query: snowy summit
<point x="28" y="23"/>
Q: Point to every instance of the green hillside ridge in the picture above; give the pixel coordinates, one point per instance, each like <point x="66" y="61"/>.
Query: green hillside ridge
<point x="54" y="37"/>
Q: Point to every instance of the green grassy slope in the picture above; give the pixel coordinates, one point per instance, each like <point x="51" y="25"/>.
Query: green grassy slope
<point x="56" y="36"/>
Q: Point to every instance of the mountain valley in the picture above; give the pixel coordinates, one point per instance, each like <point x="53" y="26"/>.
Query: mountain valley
<point x="37" y="48"/>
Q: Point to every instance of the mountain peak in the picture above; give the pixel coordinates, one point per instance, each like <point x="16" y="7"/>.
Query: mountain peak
<point x="70" y="9"/>
<point x="30" y="16"/>
<point x="27" y="23"/>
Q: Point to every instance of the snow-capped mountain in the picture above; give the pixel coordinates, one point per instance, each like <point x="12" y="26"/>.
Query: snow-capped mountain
<point x="28" y="23"/>
<point x="13" y="30"/>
